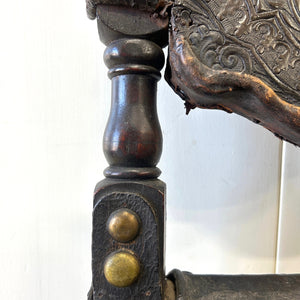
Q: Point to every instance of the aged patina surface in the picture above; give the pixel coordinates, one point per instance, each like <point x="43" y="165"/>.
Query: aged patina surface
<point x="237" y="55"/>
<point x="235" y="287"/>
<point x="129" y="205"/>
<point x="142" y="5"/>
<point x="241" y="56"/>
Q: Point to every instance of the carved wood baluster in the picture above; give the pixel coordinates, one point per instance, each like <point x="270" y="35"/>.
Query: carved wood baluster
<point x="128" y="216"/>
<point x="133" y="139"/>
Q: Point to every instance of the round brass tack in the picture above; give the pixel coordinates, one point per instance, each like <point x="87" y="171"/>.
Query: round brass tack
<point x="121" y="268"/>
<point x="123" y="225"/>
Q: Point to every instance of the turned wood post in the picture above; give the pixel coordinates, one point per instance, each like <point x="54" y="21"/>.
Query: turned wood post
<point x="132" y="141"/>
<point x="129" y="205"/>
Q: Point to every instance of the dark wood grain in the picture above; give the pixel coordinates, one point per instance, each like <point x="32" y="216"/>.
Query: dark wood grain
<point x="132" y="140"/>
<point x="134" y="32"/>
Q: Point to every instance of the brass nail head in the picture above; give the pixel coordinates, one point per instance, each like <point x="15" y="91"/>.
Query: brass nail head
<point x="121" y="268"/>
<point x="123" y="225"/>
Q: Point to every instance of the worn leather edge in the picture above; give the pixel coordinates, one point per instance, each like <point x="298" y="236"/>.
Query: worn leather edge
<point x="203" y="87"/>
<point x="256" y="286"/>
<point x="146" y="5"/>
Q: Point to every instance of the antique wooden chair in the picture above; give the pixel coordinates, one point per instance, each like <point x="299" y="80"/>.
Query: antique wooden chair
<point x="241" y="56"/>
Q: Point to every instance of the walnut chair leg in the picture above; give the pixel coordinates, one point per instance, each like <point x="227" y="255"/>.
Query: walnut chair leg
<point x="129" y="205"/>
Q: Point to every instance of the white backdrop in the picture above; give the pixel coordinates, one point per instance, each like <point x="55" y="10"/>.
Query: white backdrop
<point x="233" y="188"/>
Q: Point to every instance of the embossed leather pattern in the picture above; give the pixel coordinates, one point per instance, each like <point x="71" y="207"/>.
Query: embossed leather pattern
<point x="219" y="48"/>
<point x="258" y="37"/>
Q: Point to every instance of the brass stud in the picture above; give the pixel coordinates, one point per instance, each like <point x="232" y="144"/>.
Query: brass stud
<point x="123" y="225"/>
<point x="121" y="268"/>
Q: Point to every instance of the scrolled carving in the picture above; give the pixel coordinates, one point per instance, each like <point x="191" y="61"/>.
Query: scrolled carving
<point x="211" y="46"/>
<point x="212" y="49"/>
<point x="267" y="32"/>
<point x="233" y="57"/>
<point x="236" y="9"/>
<point x="232" y="47"/>
<point x="263" y="32"/>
